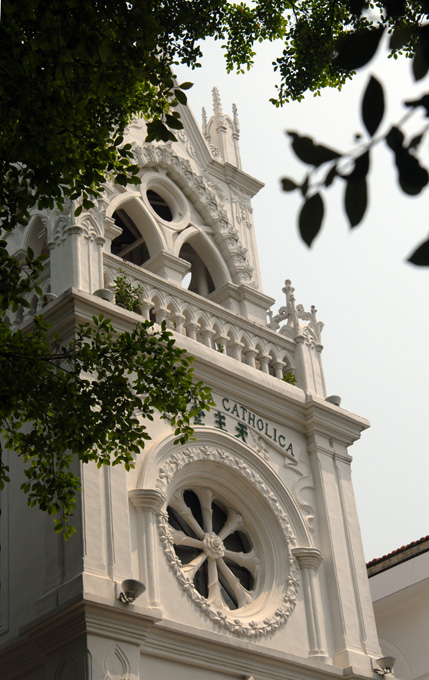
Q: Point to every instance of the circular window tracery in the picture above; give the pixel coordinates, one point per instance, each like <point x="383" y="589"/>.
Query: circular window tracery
<point x="214" y="547"/>
<point x="250" y="581"/>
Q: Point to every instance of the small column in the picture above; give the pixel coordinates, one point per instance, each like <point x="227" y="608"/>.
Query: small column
<point x="309" y="560"/>
<point x="146" y="305"/>
<point x="264" y="360"/>
<point x="148" y="502"/>
<point x="278" y="369"/>
<point x="161" y="314"/>
<point x="192" y="329"/>
<point x="250" y="355"/>
<point x="222" y="341"/>
<point x="178" y="323"/>
<point x="236" y="349"/>
<point x="208" y="334"/>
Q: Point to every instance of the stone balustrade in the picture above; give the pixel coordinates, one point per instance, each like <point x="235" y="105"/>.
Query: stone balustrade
<point x="205" y="321"/>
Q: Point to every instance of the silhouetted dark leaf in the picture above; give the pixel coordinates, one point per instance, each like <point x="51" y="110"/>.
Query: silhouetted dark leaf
<point x="412" y="177"/>
<point x="373" y="106"/>
<point x="310" y="218"/>
<point x="423" y="101"/>
<point x="288" y="184"/>
<point x="354" y="50"/>
<point x="420" y="257"/>
<point x="304" y="186"/>
<point x="356" y="201"/>
<point x="394" y="8"/>
<point x="330" y="176"/>
<point x="360" y="169"/>
<point x="394" y="138"/>
<point x="357" y="6"/>
<point x="309" y="152"/>
<point x="400" y="37"/>
<point x="415" y="142"/>
<point x="420" y="63"/>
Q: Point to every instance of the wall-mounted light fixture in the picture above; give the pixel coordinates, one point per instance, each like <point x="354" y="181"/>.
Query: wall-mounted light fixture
<point x="386" y="664"/>
<point x="131" y="590"/>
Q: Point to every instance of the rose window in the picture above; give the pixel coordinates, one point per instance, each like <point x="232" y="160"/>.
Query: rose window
<point x="214" y="548"/>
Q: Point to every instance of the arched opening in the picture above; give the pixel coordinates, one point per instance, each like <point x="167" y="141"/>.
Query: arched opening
<point x="130" y="245"/>
<point x="200" y="280"/>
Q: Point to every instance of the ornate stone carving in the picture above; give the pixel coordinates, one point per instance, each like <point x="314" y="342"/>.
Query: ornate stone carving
<point x="293" y="313"/>
<point x="266" y="622"/>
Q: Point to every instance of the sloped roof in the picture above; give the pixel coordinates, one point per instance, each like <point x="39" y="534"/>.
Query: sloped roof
<point x="406" y="552"/>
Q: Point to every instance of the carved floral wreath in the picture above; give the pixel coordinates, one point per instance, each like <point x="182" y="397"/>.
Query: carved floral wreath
<point x="212" y="548"/>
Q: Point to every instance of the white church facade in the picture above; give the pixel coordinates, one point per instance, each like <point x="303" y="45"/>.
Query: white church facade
<point x="247" y="539"/>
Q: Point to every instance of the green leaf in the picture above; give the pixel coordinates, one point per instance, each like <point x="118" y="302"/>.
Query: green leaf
<point x="373" y="106"/>
<point x="173" y="122"/>
<point x="181" y="97"/>
<point x="356" y="201"/>
<point x="420" y="257"/>
<point x="310" y="218"/>
<point x="355" y="49"/>
<point x="186" y="86"/>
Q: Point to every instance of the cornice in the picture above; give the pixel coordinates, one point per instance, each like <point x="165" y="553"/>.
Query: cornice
<point x="230" y="656"/>
<point x="230" y="174"/>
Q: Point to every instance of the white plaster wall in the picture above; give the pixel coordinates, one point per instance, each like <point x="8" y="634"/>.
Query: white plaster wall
<point x="401" y="607"/>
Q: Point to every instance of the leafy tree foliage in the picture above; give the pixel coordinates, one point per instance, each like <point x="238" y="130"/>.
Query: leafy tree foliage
<point x="352" y="51"/>
<point x="88" y="400"/>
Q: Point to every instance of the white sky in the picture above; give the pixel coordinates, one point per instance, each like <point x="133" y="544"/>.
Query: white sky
<point x="374" y="305"/>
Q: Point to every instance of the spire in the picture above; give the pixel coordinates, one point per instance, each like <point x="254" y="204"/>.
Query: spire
<point x="217" y="104"/>
<point x="204" y="123"/>
<point x="222" y="132"/>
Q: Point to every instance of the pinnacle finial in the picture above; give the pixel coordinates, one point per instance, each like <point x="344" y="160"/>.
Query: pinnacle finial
<point x="217" y="104"/>
<point x="235" y="119"/>
<point x="204" y="122"/>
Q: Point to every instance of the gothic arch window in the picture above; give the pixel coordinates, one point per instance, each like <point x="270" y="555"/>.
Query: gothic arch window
<point x="199" y="279"/>
<point x="130" y="245"/>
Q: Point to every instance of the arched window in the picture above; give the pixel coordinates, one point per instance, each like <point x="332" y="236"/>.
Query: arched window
<point x="130" y="245"/>
<point x="201" y="281"/>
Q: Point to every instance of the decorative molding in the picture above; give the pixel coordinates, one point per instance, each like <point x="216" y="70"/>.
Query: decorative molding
<point x="224" y="233"/>
<point x="147" y="499"/>
<point x="263" y="623"/>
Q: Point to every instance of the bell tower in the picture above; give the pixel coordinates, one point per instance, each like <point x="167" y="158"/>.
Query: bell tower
<point x="246" y="539"/>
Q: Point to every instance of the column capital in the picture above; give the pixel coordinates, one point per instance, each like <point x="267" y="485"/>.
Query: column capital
<point x="308" y="558"/>
<point x="147" y="499"/>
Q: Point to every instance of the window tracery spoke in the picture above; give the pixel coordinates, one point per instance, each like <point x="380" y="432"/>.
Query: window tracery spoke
<point x="242" y="596"/>
<point x="212" y="544"/>
<point x="214" y="592"/>
<point x="233" y="523"/>
<point x="248" y="560"/>
<point x="177" y="503"/>
<point x="192" y="567"/>
<point x="180" y="538"/>
<point x="205" y="497"/>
